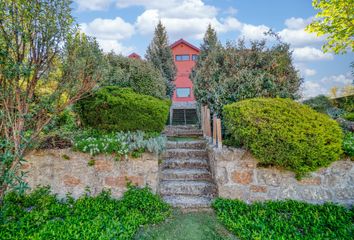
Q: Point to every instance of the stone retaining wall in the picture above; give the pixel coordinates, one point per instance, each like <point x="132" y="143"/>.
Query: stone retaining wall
<point x="66" y="171"/>
<point x="237" y="176"/>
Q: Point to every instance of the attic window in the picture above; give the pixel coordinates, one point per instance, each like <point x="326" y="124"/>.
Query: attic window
<point x="182" y="57"/>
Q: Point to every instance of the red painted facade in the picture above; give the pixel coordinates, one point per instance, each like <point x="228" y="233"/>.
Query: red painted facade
<point x="134" y="56"/>
<point x="180" y="50"/>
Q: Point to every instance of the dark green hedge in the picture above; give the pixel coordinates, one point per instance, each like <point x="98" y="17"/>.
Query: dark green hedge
<point x="285" y="133"/>
<point x="122" y="109"/>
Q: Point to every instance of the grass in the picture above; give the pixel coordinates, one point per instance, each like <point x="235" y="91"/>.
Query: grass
<point x="286" y="220"/>
<point x="188" y="226"/>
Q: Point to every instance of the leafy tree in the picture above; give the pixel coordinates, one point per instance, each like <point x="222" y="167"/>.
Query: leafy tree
<point x="45" y="66"/>
<point x="160" y="55"/>
<point x="139" y="75"/>
<point x="206" y="64"/>
<point x="320" y="103"/>
<point x="235" y="72"/>
<point x="335" y="19"/>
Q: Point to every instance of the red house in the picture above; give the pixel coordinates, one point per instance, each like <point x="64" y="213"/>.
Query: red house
<point x="183" y="110"/>
<point x="134" y="56"/>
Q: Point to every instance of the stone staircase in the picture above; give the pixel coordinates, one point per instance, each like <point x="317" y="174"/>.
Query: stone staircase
<point x="185" y="178"/>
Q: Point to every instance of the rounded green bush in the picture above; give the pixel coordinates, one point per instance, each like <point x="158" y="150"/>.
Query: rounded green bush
<point x="284" y="133"/>
<point x="121" y="109"/>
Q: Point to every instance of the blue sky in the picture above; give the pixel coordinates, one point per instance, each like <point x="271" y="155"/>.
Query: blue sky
<point x="126" y="26"/>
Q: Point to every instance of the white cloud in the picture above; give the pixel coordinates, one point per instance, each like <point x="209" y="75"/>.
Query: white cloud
<point x="231" y="11"/>
<point x="304" y="70"/>
<point x="310" y="54"/>
<point x="173" y="8"/>
<point x="93" y="5"/>
<point x="253" y="32"/>
<point x="108" y="28"/>
<point x="323" y="86"/>
<point x="109" y="32"/>
<point x="309" y="72"/>
<point x="338" y="80"/>
<point x="114" y="45"/>
<point x="312" y="89"/>
<point x="149" y="4"/>
<point x="299" y="37"/>
<point x="297" y="23"/>
<point x="183" y="27"/>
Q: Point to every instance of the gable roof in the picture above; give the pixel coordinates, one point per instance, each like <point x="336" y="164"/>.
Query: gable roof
<point x="134" y="55"/>
<point x="186" y="43"/>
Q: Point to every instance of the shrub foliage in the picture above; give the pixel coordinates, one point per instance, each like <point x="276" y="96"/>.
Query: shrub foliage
<point x="225" y="74"/>
<point x="285" y="220"/>
<point x="120" y="143"/>
<point x="284" y="133"/>
<point x="320" y="103"/>
<point x="121" y="109"/>
<point x="40" y="215"/>
<point x="139" y="75"/>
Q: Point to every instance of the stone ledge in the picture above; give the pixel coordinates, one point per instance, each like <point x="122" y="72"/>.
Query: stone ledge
<point x="72" y="174"/>
<point x="237" y="176"/>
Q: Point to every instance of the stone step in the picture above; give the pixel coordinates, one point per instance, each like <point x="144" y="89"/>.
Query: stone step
<point x="186" y="174"/>
<point x="185" y="154"/>
<point x="198" y="144"/>
<point x="191" y="202"/>
<point x="193" y="188"/>
<point x="185" y="163"/>
<point x="186" y="131"/>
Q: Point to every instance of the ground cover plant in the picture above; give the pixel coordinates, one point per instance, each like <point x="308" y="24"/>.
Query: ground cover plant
<point x="285" y="220"/>
<point x="120" y="143"/>
<point x="40" y="215"/>
<point x="284" y="133"/>
<point x="187" y="226"/>
<point x="348" y="144"/>
<point x="121" y="109"/>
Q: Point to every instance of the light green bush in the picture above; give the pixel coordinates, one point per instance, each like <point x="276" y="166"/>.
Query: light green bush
<point x="122" y="109"/>
<point x="285" y="133"/>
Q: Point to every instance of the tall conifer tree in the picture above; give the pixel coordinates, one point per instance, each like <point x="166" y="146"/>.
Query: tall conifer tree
<point x="160" y="55"/>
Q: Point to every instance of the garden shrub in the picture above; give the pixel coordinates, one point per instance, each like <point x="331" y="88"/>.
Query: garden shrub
<point x="121" y="109"/>
<point x="285" y="220"/>
<point x="346" y="103"/>
<point x="349" y="116"/>
<point x="320" y="103"/>
<point x="284" y="133"/>
<point x="348" y="144"/>
<point x="139" y="75"/>
<point x="40" y="215"/>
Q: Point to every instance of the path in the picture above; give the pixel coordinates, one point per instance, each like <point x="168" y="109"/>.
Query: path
<point x="185" y="178"/>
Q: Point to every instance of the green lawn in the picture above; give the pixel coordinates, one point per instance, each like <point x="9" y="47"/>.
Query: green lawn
<point x="187" y="226"/>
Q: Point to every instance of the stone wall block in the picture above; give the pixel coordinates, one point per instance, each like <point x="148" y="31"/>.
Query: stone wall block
<point x="242" y="177"/>
<point x="73" y="175"/>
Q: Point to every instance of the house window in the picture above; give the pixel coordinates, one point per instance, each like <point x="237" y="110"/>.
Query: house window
<point x="183" y="92"/>
<point x="182" y="57"/>
<point x="194" y="57"/>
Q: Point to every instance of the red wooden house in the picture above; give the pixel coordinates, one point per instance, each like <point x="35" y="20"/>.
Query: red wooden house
<point x="183" y="110"/>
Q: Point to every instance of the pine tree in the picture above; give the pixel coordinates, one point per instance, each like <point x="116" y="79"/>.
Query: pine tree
<point x="160" y="55"/>
<point x="201" y="75"/>
<point x="210" y="42"/>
